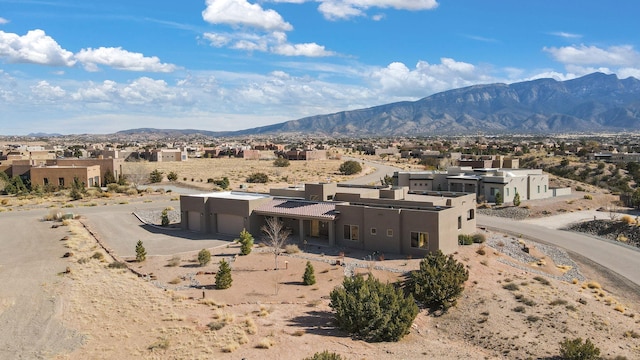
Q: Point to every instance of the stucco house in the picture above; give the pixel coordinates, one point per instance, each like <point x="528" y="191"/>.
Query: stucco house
<point x="371" y="218"/>
<point x="485" y="183"/>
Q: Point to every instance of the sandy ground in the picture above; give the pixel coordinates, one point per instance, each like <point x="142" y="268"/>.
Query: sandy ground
<point x="79" y="308"/>
<point x="269" y="314"/>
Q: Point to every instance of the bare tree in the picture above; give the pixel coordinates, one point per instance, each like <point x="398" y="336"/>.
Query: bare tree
<point x="136" y="173"/>
<point x="275" y="235"/>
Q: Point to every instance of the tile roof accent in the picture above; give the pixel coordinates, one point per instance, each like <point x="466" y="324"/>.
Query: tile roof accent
<point x="298" y="208"/>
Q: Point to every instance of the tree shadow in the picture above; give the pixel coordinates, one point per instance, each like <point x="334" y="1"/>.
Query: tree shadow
<point x="319" y="323"/>
<point x="296" y="283"/>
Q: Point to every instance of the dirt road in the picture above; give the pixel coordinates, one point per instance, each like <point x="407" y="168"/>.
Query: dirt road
<point x="30" y="307"/>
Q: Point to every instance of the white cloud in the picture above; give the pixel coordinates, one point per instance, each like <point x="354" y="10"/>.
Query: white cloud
<point x="427" y="78"/>
<point x="274" y="42"/>
<point x="217" y="39"/>
<point x="3" y="21"/>
<point x="120" y="59"/>
<point x="309" y="49"/>
<point x="243" y="13"/>
<point x="35" y="47"/>
<point x="566" y="35"/>
<point x="43" y="91"/>
<point x="344" y="9"/>
<point x="623" y="55"/>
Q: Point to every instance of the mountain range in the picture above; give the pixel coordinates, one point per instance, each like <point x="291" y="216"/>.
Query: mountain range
<point x="593" y="103"/>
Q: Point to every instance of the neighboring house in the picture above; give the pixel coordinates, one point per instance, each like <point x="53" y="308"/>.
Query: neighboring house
<point x="164" y="155"/>
<point x="63" y="176"/>
<point x="530" y="184"/>
<point x="25" y="168"/>
<point x="382" y="219"/>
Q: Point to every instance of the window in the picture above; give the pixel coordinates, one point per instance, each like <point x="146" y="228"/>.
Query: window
<point x="46" y="181"/>
<point x="506" y="191"/>
<point x="545" y="188"/>
<point x="351" y="232"/>
<point x="538" y="189"/>
<point x="419" y="240"/>
<point x="61" y="182"/>
<point x="459" y="222"/>
<point x="374" y="231"/>
<point x="390" y="232"/>
<point x="470" y="214"/>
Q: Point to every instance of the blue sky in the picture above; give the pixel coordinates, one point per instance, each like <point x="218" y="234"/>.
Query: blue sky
<point x="78" y="66"/>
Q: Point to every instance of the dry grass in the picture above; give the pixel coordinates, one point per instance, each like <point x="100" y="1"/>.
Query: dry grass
<point x="265" y="343"/>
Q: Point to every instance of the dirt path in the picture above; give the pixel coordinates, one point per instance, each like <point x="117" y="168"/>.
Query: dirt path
<point x="30" y="307"/>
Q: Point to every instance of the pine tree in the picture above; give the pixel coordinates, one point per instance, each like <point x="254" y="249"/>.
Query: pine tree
<point x="141" y="253"/>
<point x="223" y="276"/>
<point x="309" y="277"/>
<point x="516" y="199"/>
<point x="372" y="310"/>
<point x="246" y="242"/>
<point x="165" y="217"/>
<point x="439" y="281"/>
<point x="204" y="256"/>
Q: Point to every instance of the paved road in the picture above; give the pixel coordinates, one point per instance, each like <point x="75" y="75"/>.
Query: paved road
<point x="118" y="228"/>
<point x="622" y="260"/>
<point x="374" y="177"/>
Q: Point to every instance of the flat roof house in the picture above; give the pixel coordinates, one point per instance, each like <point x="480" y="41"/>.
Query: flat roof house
<point x="370" y="218"/>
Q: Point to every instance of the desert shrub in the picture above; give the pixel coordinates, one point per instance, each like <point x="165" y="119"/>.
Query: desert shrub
<point x="511" y="287"/>
<point x="577" y="350"/>
<point x="372" y="310"/>
<point x="541" y="280"/>
<point x="216" y="325"/>
<point x="519" y="309"/>
<point x="465" y="239"/>
<point x="309" y="277"/>
<point x="223" y="276"/>
<point x="291" y="249"/>
<point x="204" y="256"/>
<point x="479" y="238"/>
<point x="117" y="265"/>
<point x="498" y="198"/>
<point x="224" y="183"/>
<point x="109" y="178"/>
<point x="481" y="251"/>
<point x="264" y="343"/>
<point x="350" y="167"/>
<point x="141" y="253"/>
<point x="246" y="242"/>
<point x="587" y="197"/>
<point x="627" y="219"/>
<point x="281" y="162"/>
<point x="579" y="188"/>
<point x="172" y="176"/>
<point x="174" y="261"/>
<point x="155" y="176"/>
<point x="325" y="355"/>
<point x="260" y="178"/>
<point x="516" y="199"/>
<point x="439" y="281"/>
<point x="97" y="255"/>
<point x="131" y="191"/>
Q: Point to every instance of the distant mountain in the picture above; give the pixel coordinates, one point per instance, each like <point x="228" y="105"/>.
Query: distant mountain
<point x="595" y="102"/>
<point x="164" y="133"/>
<point x="43" y="135"/>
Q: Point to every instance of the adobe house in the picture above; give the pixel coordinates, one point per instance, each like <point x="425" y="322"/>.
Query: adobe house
<point x="25" y="167"/>
<point x="530" y="184"/>
<point x="63" y="176"/>
<point x="370" y="218"/>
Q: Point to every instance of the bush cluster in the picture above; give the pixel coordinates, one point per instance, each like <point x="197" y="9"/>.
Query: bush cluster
<point x="246" y="242"/>
<point x="258" y="177"/>
<point x="350" y="167"/>
<point x="439" y="281"/>
<point x="371" y="310"/>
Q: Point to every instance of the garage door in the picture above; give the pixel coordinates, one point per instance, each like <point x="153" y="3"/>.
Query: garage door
<point x="230" y="224"/>
<point x="194" y="220"/>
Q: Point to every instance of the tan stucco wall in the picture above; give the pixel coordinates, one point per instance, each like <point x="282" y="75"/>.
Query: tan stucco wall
<point x="88" y="175"/>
